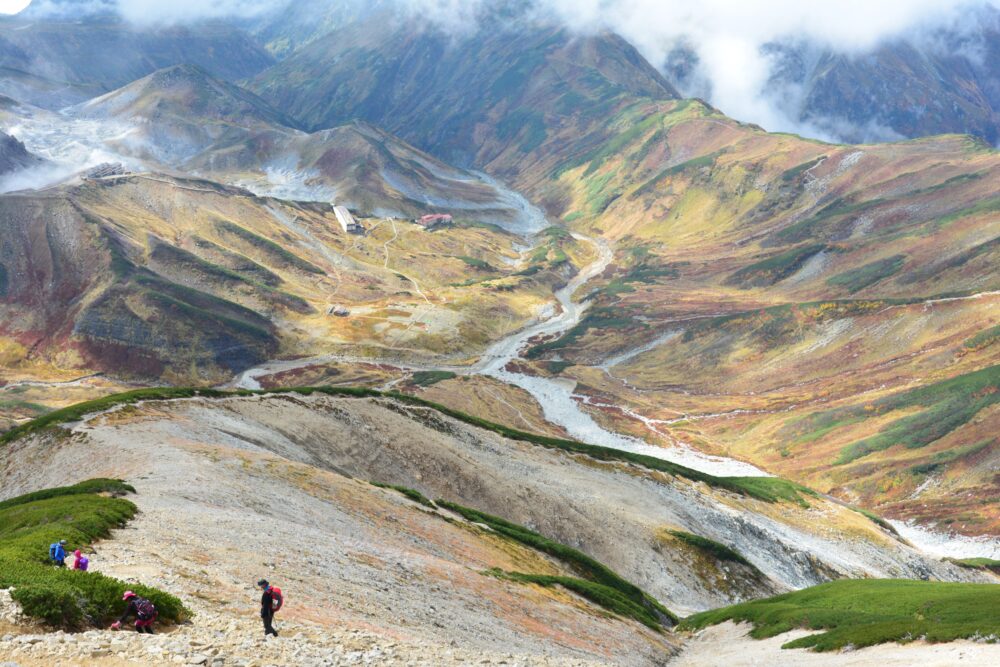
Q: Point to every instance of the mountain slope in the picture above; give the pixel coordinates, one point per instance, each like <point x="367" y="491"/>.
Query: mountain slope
<point x="154" y="276"/>
<point x="488" y="99"/>
<point x="568" y="498"/>
<point x="185" y="119"/>
<point x="906" y="88"/>
<point x="795" y="303"/>
<point x="53" y="63"/>
<point x="14" y="156"/>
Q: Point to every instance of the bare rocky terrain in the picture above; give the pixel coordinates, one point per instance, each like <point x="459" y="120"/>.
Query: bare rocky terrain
<point x="233" y="489"/>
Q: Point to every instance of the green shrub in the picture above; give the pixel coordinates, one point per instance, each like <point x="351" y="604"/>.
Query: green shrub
<point x="876" y="519"/>
<point x="856" y="280"/>
<point x="867" y="612"/>
<point x="586" y="566"/>
<point x="604" y="596"/>
<point x="990" y="564"/>
<point x="112" y="486"/>
<point x="428" y="378"/>
<point x="711" y="547"/>
<point x="945" y="406"/>
<point x="412" y="494"/>
<point x="983" y="339"/>
<point x="776" y="268"/>
<point x="59" y="596"/>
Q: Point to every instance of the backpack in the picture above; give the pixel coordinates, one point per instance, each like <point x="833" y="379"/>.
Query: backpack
<point x="52" y="550"/>
<point x="82" y="563"/>
<point x="277" y="599"/>
<point x="144" y="609"/>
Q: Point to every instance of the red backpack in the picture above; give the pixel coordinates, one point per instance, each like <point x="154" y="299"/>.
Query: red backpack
<point x="277" y="599"/>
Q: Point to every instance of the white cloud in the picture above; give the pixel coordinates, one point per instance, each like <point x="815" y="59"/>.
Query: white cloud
<point x="726" y="35"/>
<point x="180" y="11"/>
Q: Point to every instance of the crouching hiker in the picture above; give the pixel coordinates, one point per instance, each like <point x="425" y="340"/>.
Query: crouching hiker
<point x="57" y="553"/>
<point x="270" y="602"/>
<point x="143" y="609"/>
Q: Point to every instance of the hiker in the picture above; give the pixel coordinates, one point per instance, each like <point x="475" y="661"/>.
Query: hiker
<point x="57" y="553"/>
<point x="270" y="602"/>
<point x="144" y="610"/>
<point x="80" y="562"/>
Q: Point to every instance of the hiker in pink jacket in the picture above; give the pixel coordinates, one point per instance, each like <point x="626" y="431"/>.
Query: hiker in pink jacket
<point x="80" y="562"/>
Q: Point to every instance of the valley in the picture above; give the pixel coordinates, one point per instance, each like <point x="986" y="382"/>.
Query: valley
<point x="489" y="345"/>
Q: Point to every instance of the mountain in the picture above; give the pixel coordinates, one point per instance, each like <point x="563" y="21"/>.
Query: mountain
<point x="185" y="119"/>
<point x="506" y="95"/>
<point x="827" y="311"/>
<point x="289" y="26"/>
<point x="151" y="276"/>
<point x="53" y="62"/>
<point x="934" y="81"/>
<point x="14" y="156"/>
<point x="945" y="83"/>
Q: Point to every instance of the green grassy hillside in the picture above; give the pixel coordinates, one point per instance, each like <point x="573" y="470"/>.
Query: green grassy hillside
<point x="80" y="514"/>
<point x="865" y="613"/>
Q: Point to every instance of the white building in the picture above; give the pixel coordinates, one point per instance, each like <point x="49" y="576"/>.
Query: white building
<point x="347" y="221"/>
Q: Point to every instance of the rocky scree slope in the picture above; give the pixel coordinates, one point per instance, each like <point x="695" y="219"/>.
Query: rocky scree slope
<point x="612" y="511"/>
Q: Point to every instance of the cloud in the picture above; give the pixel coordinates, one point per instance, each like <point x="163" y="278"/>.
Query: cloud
<point x="731" y="67"/>
<point x="181" y="11"/>
<point x="154" y="12"/>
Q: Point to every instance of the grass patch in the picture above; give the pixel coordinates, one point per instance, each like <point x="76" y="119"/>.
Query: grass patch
<point x="597" y="318"/>
<point x="876" y="519"/>
<point x="868" y="612"/>
<point x="58" y="596"/>
<point x="268" y="247"/>
<point x="711" y="548"/>
<point x="776" y="268"/>
<point x="412" y="494"/>
<point x="790" y="175"/>
<point x="428" y="378"/>
<point x="983" y="339"/>
<point x="601" y="595"/>
<point x="856" y="280"/>
<point x="978" y="564"/>
<point x="77" y="412"/>
<point x="587" y="567"/>
<point x="768" y="489"/>
<point x="695" y="163"/>
<point x="475" y="263"/>
<point x="946" y="405"/>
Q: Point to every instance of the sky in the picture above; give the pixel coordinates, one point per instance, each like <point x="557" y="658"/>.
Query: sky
<point x="727" y="35"/>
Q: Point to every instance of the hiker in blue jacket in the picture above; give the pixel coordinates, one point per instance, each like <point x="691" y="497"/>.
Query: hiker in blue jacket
<point x="57" y="553"/>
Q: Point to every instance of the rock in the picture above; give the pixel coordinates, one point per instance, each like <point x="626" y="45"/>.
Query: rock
<point x="197" y="659"/>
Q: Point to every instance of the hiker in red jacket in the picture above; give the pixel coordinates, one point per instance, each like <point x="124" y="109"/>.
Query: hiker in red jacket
<point x="143" y="609"/>
<point x="270" y="602"/>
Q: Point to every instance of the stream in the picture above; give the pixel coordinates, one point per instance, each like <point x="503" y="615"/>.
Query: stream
<point x="556" y="396"/>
